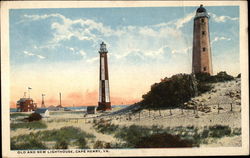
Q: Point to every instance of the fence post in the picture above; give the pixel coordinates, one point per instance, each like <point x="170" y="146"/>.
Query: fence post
<point x="218" y="108"/>
<point x="149" y="112"/>
<point x="160" y="112"/>
<point x="139" y="115"/>
<point x="182" y="112"/>
<point x="170" y="111"/>
<point x="231" y="107"/>
<point x="197" y="112"/>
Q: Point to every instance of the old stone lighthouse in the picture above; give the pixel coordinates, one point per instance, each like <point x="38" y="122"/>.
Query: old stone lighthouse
<point x="202" y="58"/>
<point x="104" y="96"/>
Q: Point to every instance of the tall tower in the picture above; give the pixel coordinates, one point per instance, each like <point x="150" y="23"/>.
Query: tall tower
<point x="43" y="105"/>
<point x="202" y="58"/>
<point x="104" y="98"/>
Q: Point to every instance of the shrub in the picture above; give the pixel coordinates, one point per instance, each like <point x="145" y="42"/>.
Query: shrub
<point x="66" y="133"/>
<point x="170" y="92"/>
<point x="203" y="87"/>
<point x="236" y="131"/>
<point x="219" y="131"/>
<point x="101" y="145"/>
<point x="14" y="115"/>
<point x="163" y="140"/>
<point x="61" y="144"/>
<point x="219" y="77"/>
<point x="105" y="127"/>
<point x="81" y="143"/>
<point x="205" y="77"/>
<point x="132" y="134"/>
<point x="223" y="76"/>
<point x="238" y="76"/>
<point x="30" y="125"/>
<point x="62" y="135"/>
<point x="34" y="117"/>
<point x="31" y="143"/>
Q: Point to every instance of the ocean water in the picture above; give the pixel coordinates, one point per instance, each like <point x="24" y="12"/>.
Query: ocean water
<point x="78" y="108"/>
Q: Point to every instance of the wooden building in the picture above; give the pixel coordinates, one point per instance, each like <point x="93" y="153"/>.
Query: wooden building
<point x="26" y="105"/>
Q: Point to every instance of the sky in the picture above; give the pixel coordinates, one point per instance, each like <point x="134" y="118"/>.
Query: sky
<point x="56" y="50"/>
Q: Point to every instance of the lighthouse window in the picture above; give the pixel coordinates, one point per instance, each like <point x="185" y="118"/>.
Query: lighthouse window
<point x="204" y="69"/>
<point x="203" y="32"/>
<point x="202" y="20"/>
<point x="204" y="49"/>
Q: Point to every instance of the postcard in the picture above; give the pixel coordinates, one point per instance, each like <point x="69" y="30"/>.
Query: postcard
<point x="124" y="78"/>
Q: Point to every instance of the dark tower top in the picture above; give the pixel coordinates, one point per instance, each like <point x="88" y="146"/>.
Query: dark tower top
<point x="201" y="12"/>
<point x="103" y="48"/>
<point x="201" y="9"/>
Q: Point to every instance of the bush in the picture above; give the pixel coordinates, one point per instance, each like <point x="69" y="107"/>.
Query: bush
<point x="238" y="76"/>
<point x="30" y="125"/>
<point x="236" y="131"/>
<point x="31" y="143"/>
<point x="205" y="77"/>
<point x="170" y="92"/>
<point x="34" y="117"/>
<point x="163" y="140"/>
<point x="62" y="135"/>
<point x="14" y="115"/>
<point x="101" y="145"/>
<point x="219" y="131"/>
<point x="219" y="77"/>
<point x="223" y="76"/>
<point x="105" y="127"/>
<point x="81" y="143"/>
<point x="66" y="133"/>
<point x="203" y="87"/>
<point x="132" y="134"/>
<point x="61" y="144"/>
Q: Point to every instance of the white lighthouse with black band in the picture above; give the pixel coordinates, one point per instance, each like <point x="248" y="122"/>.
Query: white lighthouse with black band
<point x="104" y="95"/>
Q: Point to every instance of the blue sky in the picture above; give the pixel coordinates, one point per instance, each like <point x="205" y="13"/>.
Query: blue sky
<point x="31" y="32"/>
<point x="142" y="41"/>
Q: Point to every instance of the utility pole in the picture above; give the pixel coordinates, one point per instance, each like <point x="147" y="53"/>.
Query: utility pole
<point x="24" y="95"/>
<point x="60" y="99"/>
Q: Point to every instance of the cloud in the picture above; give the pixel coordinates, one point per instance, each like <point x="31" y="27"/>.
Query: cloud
<point x="220" y="19"/>
<point x="32" y="54"/>
<point x="142" y="42"/>
<point x="82" y="53"/>
<point x="92" y="60"/>
<point x="180" y="22"/>
<point x="182" y="51"/>
<point x="40" y="56"/>
<point x="220" y="39"/>
<point x="65" y="29"/>
<point x="28" y="53"/>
